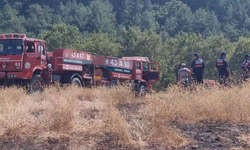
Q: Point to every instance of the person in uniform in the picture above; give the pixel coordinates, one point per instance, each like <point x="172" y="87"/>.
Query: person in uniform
<point x="46" y="75"/>
<point x="184" y="75"/>
<point x="197" y="68"/>
<point x="223" y="69"/>
<point x="246" y="67"/>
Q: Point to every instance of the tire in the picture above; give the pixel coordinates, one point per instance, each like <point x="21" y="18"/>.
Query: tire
<point x="76" y="82"/>
<point x="113" y="83"/>
<point x="35" y="84"/>
<point x="141" y="91"/>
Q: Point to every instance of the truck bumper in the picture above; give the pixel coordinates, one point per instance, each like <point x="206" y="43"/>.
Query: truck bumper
<point x="12" y="75"/>
<point x="9" y="78"/>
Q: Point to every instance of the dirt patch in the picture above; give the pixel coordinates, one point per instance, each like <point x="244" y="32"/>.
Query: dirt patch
<point x="34" y="143"/>
<point x="215" y="135"/>
<point x="110" y="142"/>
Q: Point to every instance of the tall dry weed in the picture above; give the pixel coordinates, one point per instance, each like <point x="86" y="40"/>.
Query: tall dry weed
<point x="217" y="104"/>
<point x="139" y="122"/>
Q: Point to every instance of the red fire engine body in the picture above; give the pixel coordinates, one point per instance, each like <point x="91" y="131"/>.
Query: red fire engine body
<point x="71" y="66"/>
<point x="22" y="59"/>
<point x="140" y="70"/>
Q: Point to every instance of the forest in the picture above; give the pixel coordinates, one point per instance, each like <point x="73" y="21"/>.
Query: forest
<point x="166" y="31"/>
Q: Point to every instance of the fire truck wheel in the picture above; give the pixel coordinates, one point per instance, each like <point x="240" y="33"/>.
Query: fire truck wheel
<point x="35" y="84"/>
<point x="113" y="83"/>
<point x="76" y="81"/>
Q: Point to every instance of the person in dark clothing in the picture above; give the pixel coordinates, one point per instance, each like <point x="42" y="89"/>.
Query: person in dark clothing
<point x="246" y="67"/>
<point x="46" y="75"/>
<point x="197" y="68"/>
<point x="223" y="69"/>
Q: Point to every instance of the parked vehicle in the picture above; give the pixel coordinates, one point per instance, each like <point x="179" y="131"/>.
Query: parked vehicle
<point x="22" y="59"/>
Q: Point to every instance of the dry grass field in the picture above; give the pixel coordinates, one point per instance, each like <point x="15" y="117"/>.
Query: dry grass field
<point x="112" y="118"/>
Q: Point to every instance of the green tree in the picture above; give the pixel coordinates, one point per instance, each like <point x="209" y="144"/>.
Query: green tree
<point x="102" y="44"/>
<point x="63" y="37"/>
<point x="177" y="16"/>
<point x="241" y="49"/>
<point x="141" y="43"/>
<point x="40" y="18"/>
<point x="74" y="13"/>
<point x="140" y="13"/>
<point x="206" y="23"/>
<point x="102" y="17"/>
<point x="11" y="21"/>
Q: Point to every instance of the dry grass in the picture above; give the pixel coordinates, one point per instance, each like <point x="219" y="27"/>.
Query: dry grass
<point x="217" y="104"/>
<point x="89" y="117"/>
<point x="245" y="139"/>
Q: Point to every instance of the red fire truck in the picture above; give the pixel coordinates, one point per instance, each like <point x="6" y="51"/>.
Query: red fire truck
<point x="138" y="70"/>
<point x="22" y="59"/>
<point x="71" y="66"/>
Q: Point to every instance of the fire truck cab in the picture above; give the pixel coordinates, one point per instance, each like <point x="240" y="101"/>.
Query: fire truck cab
<point x="21" y="59"/>
<point x="144" y="74"/>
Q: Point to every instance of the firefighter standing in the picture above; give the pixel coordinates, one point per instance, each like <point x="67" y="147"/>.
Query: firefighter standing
<point x="197" y="68"/>
<point x="223" y="68"/>
<point x="184" y="75"/>
<point x="246" y="66"/>
<point x="46" y="75"/>
<point x="176" y="71"/>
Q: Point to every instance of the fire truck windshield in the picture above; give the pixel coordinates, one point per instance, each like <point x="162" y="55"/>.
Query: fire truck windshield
<point x="11" y="47"/>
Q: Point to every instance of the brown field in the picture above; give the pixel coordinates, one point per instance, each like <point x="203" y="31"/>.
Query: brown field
<point x="103" y="118"/>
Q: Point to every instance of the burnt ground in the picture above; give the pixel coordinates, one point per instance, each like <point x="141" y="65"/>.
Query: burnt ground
<point x="31" y="143"/>
<point x="205" y="135"/>
<point x="215" y="135"/>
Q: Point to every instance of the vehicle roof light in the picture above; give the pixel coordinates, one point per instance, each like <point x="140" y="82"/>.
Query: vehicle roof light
<point x="13" y="35"/>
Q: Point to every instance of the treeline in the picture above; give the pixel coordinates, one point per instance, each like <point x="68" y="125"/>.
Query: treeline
<point x="167" y="31"/>
<point x="167" y="17"/>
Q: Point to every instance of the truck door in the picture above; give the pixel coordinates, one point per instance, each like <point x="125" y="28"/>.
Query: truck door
<point x="43" y="55"/>
<point x="154" y="73"/>
<point x="32" y="55"/>
<point x="137" y="73"/>
<point x="145" y="70"/>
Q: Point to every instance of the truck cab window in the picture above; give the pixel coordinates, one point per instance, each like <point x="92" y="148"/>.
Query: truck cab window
<point x="138" y="66"/>
<point x="11" y="47"/>
<point x="39" y="48"/>
<point x="154" y="67"/>
<point x="42" y="50"/>
<point x="1" y="48"/>
<point x="145" y="67"/>
<point x="30" y="47"/>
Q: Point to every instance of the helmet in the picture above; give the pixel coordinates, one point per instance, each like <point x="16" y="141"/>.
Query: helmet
<point x="247" y="55"/>
<point x="223" y="54"/>
<point x="196" y="54"/>
<point x="49" y="65"/>
<point x="183" y="65"/>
